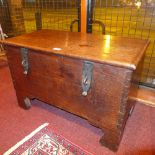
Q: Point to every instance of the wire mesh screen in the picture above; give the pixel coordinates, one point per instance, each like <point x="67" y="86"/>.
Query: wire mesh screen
<point x="131" y="18"/>
<point x="5" y="19"/>
<point x="30" y="15"/>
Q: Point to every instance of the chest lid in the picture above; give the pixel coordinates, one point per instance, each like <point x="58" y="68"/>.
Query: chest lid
<point x="118" y="51"/>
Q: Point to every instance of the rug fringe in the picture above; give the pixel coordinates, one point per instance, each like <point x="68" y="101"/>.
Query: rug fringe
<point x="25" y="139"/>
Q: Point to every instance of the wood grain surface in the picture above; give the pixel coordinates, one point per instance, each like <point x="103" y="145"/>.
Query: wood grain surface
<point x="107" y="49"/>
<point x="55" y="76"/>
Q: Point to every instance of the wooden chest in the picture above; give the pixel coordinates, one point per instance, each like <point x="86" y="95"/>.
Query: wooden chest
<point x="88" y="75"/>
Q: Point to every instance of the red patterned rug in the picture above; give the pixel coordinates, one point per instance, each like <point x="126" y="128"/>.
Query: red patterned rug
<point x="43" y="141"/>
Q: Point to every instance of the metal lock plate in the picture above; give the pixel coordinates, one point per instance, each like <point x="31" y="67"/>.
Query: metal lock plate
<point x="25" y="63"/>
<point x="87" y="77"/>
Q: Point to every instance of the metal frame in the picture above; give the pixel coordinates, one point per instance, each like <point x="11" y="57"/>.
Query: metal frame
<point x="127" y="19"/>
<point x="89" y="15"/>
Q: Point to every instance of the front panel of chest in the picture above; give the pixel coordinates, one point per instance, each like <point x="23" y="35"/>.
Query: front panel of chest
<point x="91" y="90"/>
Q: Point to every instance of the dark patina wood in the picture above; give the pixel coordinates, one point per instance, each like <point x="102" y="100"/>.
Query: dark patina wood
<point x="56" y="60"/>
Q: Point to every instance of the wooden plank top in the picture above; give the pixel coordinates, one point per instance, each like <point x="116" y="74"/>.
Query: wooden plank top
<point x="118" y="51"/>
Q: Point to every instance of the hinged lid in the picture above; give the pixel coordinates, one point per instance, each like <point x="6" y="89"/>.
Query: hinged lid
<point x="119" y="51"/>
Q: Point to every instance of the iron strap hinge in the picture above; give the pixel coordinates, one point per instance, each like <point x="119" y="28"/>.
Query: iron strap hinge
<point x="25" y="63"/>
<point x="87" y="77"/>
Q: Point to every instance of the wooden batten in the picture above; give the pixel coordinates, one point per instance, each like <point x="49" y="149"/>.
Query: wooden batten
<point x="83" y="16"/>
<point x="144" y="96"/>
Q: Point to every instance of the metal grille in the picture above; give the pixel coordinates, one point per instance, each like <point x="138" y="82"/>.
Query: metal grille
<point x="30" y="15"/>
<point x="5" y="19"/>
<point x="131" y="18"/>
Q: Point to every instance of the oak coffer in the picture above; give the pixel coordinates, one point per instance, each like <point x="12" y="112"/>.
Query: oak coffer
<point x="88" y="75"/>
